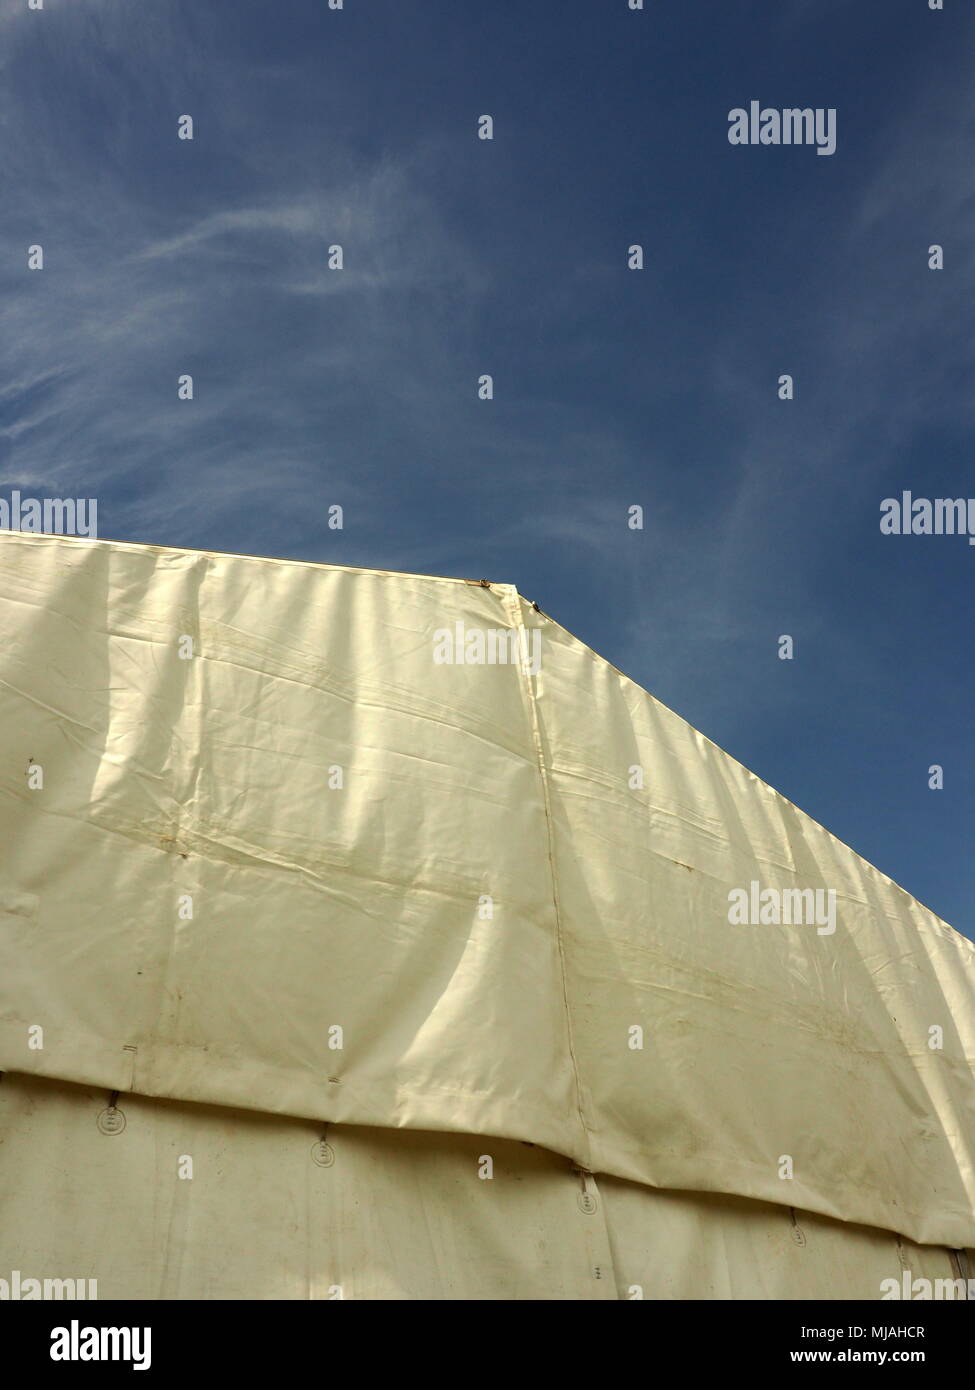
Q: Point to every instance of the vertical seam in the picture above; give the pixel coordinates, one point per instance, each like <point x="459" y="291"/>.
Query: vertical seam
<point x="512" y="601"/>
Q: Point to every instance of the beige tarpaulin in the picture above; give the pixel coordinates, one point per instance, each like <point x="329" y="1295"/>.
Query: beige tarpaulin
<point x="268" y="843"/>
<point x="192" y="1201"/>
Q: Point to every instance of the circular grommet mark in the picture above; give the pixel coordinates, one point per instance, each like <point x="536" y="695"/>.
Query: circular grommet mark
<point x="587" y="1203"/>
<point x="111" y="1121"/>
<point x="323" y="1154"/>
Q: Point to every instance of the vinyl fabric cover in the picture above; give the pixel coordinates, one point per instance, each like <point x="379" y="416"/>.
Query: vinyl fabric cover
<point x="269" y="843"/>
<point x="208" y="1202"/>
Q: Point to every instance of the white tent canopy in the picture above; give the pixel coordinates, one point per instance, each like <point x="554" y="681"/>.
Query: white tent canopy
<point x="286" y="853"/>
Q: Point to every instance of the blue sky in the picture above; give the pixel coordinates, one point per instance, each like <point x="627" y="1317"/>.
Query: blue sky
<point x="612" y="387"/>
